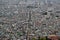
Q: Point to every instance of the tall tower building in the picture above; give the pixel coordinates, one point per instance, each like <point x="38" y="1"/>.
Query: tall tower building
<point x="46" y="1"/>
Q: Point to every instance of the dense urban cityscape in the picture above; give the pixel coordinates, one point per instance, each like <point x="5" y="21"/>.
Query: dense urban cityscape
<point x="29" y="19"/>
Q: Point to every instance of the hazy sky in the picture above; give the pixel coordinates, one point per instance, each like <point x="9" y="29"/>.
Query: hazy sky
<point x="29" y="1"/>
